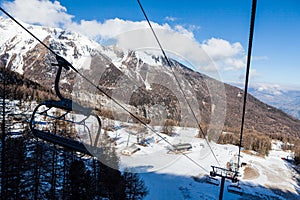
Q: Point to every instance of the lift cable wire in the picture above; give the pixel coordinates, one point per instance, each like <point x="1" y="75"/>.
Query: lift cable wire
<point x="103" y="92"/>
<point x="253" y="12"/>
<point x="228" y="173"/>
<point x="176" y="78"/>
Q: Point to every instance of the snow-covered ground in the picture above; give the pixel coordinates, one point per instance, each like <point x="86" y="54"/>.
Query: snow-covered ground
<point x="16" y="113"/>
<point x="175" y="176"/>
<point x="183" y="176"/>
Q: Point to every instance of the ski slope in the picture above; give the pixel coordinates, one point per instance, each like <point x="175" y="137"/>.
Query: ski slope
<point x="174" y="176"/>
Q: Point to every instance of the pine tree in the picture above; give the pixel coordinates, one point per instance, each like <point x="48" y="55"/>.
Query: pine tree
<point x="29" y="170"/>
<point x="15" y="158"/>
<point x="110" y="179"/>
<point x="82" y="183"/>
<point x="134" y="186"/>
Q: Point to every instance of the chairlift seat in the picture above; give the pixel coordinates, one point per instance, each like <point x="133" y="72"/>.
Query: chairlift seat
<point x="58" y="139"/>
<point x="213" y="181"/>
<point x="61" y="141"/>
<point x="236" y="189"/>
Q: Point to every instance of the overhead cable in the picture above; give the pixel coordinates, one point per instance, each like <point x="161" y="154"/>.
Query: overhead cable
<point x="177" y="81"/>
<point x="252" y="20"/>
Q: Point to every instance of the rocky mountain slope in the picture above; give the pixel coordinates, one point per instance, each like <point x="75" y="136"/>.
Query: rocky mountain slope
<point x="141" y="80"/>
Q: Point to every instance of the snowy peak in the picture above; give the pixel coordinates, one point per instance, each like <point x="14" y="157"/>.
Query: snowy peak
<point x="142" y="76"/>
<point x="15" y="43"/>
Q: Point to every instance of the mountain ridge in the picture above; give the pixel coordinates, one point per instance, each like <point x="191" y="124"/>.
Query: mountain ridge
<point x="139" y="79"/>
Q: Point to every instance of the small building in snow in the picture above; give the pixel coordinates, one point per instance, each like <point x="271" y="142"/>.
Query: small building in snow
<point x="128" y="151"/>
<point x="181" y="147"/>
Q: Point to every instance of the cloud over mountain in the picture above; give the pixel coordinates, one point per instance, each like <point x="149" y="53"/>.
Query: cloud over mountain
<point x="211" y="55"/>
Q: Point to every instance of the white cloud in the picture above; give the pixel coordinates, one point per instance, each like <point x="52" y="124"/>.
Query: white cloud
<point x="192" y="27"/>
<point x="110" y="28"/>
<point x="211" y="55"/>
<point x="226" y="55"/>
<point x="178" y="42"/>
<point x="259" y="58"/>
<point x="270" y="88"/>
<point x="180" y="29"/>
<point x="253" y="74"/>
<point x="233" y="63"/>
<point x="219" y="48"/>
<point x="136" y="35"/>
<point x="42" y="12"/>
<point x="169" y="18"/>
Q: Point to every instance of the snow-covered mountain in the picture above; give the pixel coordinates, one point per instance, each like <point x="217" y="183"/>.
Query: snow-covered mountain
<point x="16" y="43"/>
<point x="144" y="83"/>
<point x="140" y="79"/>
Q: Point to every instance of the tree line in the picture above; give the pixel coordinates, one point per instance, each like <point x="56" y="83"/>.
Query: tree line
<point x="19" y="88"/>
<point x="262" y="143"/>
<point x="34" y="169"/>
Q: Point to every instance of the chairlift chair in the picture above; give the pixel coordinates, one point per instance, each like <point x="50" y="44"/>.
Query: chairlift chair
<point x="212" y="180"/>
<point x="81" y="117"/>
<point x="235" y="188"/>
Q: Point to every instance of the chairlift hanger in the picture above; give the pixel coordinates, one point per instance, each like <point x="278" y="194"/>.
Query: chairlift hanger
<point x="69" y="107"/>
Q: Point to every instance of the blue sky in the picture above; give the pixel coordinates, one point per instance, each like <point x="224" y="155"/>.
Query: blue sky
<point x="219" y="27"/>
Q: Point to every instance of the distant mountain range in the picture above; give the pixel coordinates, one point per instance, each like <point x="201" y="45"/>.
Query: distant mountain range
<point x="288" y="101"/>
<point x="140" y="80"/>
<point x="285" y="99"/>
